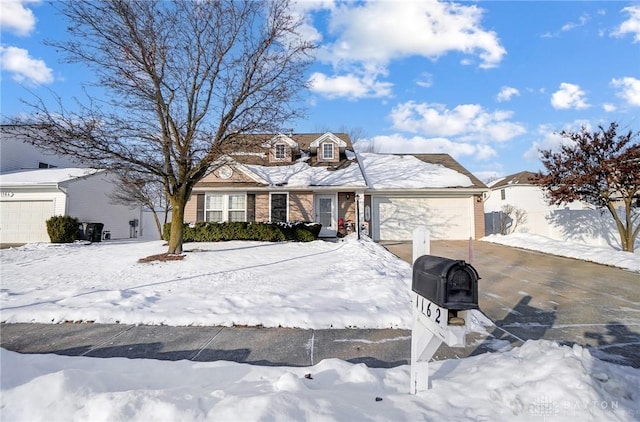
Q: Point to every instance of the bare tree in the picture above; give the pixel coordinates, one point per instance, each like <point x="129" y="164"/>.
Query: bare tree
<point x="601" y="168"/>
<point x="183" y="79"/>
<point x="510" y="218"/>
<point x="135" y="189"/>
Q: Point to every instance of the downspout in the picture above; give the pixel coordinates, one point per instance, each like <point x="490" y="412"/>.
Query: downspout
<point x="357" y="214"/>
<point x="66" y="199"/>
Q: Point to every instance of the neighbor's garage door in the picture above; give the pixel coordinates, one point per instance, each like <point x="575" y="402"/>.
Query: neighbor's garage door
<point x="395" y="218"/>
<point x="24" y="221"/>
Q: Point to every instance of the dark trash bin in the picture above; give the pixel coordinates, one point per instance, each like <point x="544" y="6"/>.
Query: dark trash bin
<point x="93" y="231"/>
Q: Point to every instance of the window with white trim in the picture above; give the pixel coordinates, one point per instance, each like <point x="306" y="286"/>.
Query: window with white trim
<point x="327" y="151"/>
<point x="280" y="152"/>
<point x="278" y="208"/>
<point x="220" y="207"/>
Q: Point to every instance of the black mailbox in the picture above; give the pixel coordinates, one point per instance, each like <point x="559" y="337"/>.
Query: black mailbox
<point x="448" y="283"/>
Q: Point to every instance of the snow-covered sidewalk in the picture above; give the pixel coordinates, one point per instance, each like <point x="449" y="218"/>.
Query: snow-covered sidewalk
<point x="536" y="382"/>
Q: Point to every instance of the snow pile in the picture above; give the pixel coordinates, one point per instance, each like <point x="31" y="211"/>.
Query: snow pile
<point x="597" y="254"/>
<point x="318" y="284"/>
<point x="387" y="171"/>
<point x="538" y="381"/>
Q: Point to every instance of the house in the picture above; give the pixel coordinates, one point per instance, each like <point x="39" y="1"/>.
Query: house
<point x="519" y="191"/>
<point x="18" y="154"/>
<point x="282" y="178"/>
<point x="35" y="185"/>
<point x="576" y="221"/>
<point x="30" y="197"/>
<point x="319" y="178"/>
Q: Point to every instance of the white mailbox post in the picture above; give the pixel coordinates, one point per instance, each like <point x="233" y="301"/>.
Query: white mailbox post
<point x="443" y="292"/>
<point x="430" y="329"/>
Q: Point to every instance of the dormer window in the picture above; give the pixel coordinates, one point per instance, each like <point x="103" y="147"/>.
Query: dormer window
<point x="281" y="152"/>
<point x="327" y="151"/>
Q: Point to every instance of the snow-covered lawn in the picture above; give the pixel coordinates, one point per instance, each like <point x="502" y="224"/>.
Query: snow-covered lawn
<point x="598" y="254"/>
<point x="309" y="285"/>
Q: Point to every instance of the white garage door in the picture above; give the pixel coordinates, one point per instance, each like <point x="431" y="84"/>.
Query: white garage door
<point x="395" y="218"/>
<point x="24" y="221"/>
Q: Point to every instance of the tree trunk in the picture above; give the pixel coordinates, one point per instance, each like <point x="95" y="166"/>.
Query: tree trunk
<point x="157" y="220"/>
<point x="627" y="239"/>
<point x="178" y="204"/>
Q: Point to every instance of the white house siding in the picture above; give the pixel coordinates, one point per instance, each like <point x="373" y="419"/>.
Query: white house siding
<point x="23" y="213"/>
<point x="18" y="154"/>
<point x="532" y="200"/>
<point x="89" y="202"/>
<point x="395" y="217"/>
<point x="571" y="222"/>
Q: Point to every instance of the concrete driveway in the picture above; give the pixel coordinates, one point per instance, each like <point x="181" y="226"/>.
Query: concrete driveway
<point x="531" y="295"/>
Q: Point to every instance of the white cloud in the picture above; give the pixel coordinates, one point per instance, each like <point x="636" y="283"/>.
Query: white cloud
<point x="629" y="89"/>
<point x="349" y="86"/>
<point x="382" y="31"/>
<point x="506" y="92"/>
<point x="425" y="81"/>
<point x="631" y="25"/>
<point x="466" y="121"/>
<point x="17" y="18"/>
<point x="569" y="96"/>
<point x="398" y="143"/>
<point x="23" y="67"/>
<point x="609" y="108"/>
<point x="303" y="10"/>
<point x="573" y="25"/>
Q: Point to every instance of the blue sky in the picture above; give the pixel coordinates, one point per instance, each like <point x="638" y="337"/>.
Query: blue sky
<point x="487" y="82"/>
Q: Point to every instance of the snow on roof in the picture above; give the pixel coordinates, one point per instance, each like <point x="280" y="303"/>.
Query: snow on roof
<point x="388" y="171"/>
<point x="44" y="176"/>
<point x="302" y="175"/>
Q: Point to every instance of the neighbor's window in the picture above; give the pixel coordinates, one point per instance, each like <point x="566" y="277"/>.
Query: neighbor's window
<point x="281" y="152"/>
<point x="503" y="194"/>
<point x="279" y="208"/>
<point x="327" y="151"/>
<point x="225" y="207"/>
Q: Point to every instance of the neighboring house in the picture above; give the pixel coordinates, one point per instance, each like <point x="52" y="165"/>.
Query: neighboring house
<point x="518" y="190"/>
<point x="35" y="186"/>
<point x="17" y="154"/>
<point x="30" y="197"/>
<point x="576" y="221"/>
<point x="319" y="178"/>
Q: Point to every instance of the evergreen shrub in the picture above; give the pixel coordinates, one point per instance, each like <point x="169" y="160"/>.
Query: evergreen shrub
<point x="237" y="230"/>
<point x="62" y="229"/>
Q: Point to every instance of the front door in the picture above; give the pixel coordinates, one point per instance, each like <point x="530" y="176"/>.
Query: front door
<point x="326" y="215"/>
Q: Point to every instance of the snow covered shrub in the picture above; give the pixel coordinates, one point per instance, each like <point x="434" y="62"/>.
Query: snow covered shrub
<point x="62" y="229"/>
